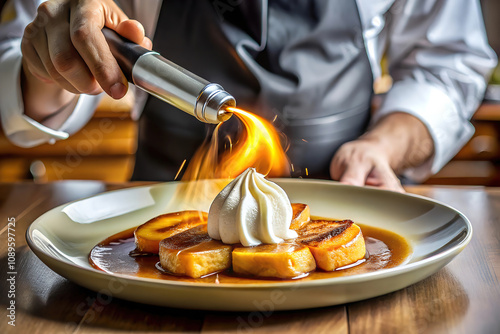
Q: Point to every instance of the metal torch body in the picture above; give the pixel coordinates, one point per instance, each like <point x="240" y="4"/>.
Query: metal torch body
<point x="169" y="82"/>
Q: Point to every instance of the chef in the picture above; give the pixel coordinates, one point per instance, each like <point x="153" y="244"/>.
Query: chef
<point x="308" y="65"/>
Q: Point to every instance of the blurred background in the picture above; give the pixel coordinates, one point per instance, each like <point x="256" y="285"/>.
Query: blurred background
<point x="105" y="148"/>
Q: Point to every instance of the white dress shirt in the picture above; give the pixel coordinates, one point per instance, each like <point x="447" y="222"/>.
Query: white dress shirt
<point x="438" y="56"/>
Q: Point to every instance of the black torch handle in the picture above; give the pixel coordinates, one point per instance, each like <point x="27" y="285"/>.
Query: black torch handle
<point x="169" y="82"/>
<point x="125" y="51"/>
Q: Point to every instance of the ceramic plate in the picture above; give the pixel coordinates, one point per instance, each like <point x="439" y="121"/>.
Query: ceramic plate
<point x="63" y="237"/>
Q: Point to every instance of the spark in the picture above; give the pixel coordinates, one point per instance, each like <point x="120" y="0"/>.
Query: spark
<point x="179" y="171"/>
<point x="307" y="172"/>
<point x="230" y="144"/>
<point x="293" y="169"/>
<point x="305" y="141"/>
<point x="274" y="119"/>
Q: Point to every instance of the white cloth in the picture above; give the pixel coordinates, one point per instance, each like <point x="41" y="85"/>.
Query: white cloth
<point x="438" y="56"/>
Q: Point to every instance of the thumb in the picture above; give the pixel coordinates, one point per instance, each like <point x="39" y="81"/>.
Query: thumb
<point x="134" y="31"/>
<point x="115" y="19"/>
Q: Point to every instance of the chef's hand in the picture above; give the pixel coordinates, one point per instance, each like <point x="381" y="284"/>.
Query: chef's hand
<point x="396" y="142"/>
<point x="65" y="53"/>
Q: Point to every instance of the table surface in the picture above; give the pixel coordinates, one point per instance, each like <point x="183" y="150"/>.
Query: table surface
<point x="463" y="297"/>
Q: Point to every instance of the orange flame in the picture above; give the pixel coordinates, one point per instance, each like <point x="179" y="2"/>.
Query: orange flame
<point x="258" y="146"/>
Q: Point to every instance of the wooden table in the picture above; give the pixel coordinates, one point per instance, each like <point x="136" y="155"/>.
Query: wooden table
<point x="464" y="297"/>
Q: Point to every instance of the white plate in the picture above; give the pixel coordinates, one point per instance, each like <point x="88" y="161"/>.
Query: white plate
<point x="63" y="237"/>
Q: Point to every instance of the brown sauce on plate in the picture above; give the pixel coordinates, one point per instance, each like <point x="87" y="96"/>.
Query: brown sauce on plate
<point x="115" y="255"/>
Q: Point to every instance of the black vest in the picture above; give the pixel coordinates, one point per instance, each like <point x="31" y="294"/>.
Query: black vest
<point x="303" y="61"/>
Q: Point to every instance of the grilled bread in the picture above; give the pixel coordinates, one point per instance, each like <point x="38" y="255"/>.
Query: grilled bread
<point x="301" y="215"/>
<point x="193" y="253"/>
<point x="185" y="248"/>
<point x="285" y="260"/>
<point x="333" y="244"/>
<point x="148" y="235"/>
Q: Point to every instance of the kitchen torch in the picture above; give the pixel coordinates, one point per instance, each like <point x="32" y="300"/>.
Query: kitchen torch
<point x="169" y="82"/>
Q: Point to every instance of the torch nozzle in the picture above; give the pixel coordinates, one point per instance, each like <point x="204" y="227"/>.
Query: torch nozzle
<point x="212" y="104"/>
<point x="224" y="115"/>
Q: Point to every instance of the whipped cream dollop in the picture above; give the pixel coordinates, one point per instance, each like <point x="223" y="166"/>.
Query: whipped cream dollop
<point x="251" y="210"/>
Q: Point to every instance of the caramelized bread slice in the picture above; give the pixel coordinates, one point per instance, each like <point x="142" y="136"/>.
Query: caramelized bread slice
<point x="193" y="253"/>
<point x="333" y="244"/>
<point x="301" y="215"/>
<point x="148" y="235"/>
<point x="285" y="260"/>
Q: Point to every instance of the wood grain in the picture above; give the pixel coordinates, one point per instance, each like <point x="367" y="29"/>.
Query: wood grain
<point x="45" y="302"/>
<point x="464" y="297"/>
<point x="322" y="320"/>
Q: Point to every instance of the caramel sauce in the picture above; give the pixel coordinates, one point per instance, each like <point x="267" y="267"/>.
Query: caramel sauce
<point x="115" y="255"/>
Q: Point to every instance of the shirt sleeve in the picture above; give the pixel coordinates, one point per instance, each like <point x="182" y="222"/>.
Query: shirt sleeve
<point x="20" y="129"/>
<point x="440" y="60"/>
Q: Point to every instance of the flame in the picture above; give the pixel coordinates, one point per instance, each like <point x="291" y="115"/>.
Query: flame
<point x="257" y="145"/>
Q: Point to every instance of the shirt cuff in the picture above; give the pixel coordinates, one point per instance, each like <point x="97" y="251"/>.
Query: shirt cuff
<point x="449" y="130"/>
<point x="20" y="129"/>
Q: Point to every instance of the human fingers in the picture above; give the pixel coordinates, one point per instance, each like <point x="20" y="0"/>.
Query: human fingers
<point x="67" y="61"/>
<point x="336" y="169"/>
<point x="33" y="63"/>
<point x="340" y="161"/>
<point x="134" y="31"/>
<point x="362" y="163"/>
<point x="382" y="176"/>
<point x="35" y="49"/>
<point x="86" y="22"/>
<point x="349" y="165"/>
<point x="356" y="173"/>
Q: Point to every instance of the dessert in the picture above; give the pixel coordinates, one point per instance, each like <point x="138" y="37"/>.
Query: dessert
<point x="254" y="229"/>
<point x="284" y="260"/>
<point x="193" y="253"/>
<point x="149" y="234"/>
<point x="334" y="244"/>
<point x="386" y="249"/>
<point x="251" y="210"/>
<point x="301" y="215"/>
